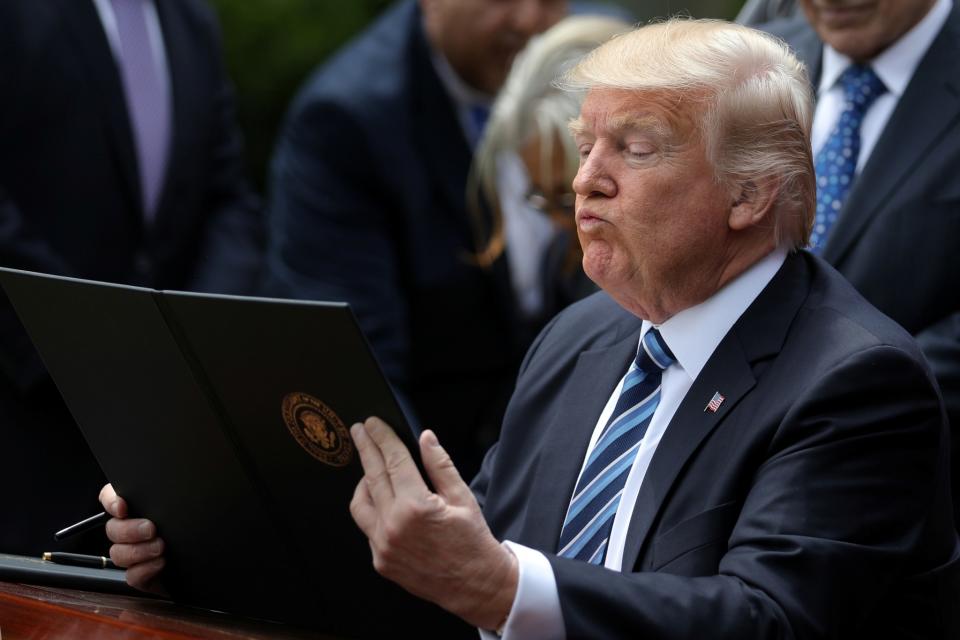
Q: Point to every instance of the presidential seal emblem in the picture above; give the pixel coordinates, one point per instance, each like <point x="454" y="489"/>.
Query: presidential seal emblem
<point x="317" y="429"/>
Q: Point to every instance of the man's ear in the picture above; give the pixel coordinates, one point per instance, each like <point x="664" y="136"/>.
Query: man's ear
<point x="753" y="202"/>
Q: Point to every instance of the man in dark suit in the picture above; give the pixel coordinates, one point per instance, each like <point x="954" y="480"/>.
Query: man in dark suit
<point x="894" y="233"/>
<point x="368" y="205"/>
<point x="774" y="461"/>
<point x="121" y="161"/>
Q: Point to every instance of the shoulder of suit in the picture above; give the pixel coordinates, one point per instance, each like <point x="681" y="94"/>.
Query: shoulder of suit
<point x="373" y="70"/>
<point x="595" y="316"/>
<point x="836" y="308"/>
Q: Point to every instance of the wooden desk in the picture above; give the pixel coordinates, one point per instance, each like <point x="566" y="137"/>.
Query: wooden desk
<point x="37" y="613"/>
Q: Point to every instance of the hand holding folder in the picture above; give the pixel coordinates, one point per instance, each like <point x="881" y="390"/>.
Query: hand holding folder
<point x="224" y="421"/>
<point x="136" y="545"/>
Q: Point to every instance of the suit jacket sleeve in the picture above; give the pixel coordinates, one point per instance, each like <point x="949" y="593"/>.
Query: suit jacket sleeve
<point x="941" y="345"/>
<point x="231" y="250"/>
<point x="21" y="249"/>
<point x="849" y="473"/>
<point x="481" y="483"/>
<point x="331" y="233"/>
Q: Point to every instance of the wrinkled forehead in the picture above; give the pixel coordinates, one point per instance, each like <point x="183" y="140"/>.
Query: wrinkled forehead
<point x="664" y="112"/>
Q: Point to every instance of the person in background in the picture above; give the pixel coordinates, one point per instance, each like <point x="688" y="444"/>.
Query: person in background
<point x="367" y="205"/>
<point x="726" y="442"/>
<point x="524" y="166"/>
<point x="886" y="142"/>
<point x="121" y="161"/>
<point x="757" y="12"/>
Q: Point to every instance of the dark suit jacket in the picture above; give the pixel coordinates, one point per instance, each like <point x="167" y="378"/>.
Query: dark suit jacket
<point x="70" y="204"/>
<point x="895" y="238"/>
<point x="368" y="206"/>
<point x="813" y="504"/>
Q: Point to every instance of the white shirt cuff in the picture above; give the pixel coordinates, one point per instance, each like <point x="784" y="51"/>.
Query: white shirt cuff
<point x="535" y="614"/>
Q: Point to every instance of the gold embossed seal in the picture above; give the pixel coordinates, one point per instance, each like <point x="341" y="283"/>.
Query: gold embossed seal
<point x="317" y="429"/>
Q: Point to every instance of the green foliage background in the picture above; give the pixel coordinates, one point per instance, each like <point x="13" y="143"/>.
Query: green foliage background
<point x="272" y="45"/>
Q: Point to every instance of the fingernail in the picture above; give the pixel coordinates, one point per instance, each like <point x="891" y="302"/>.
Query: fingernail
<point x="115" y="507"/>
<point x="431" y="438"/>
<point x="144" y="529"/>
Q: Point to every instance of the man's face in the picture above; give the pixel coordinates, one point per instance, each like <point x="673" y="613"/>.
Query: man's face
<point x="480" y="38"/>
<point x="861" y="29"/>
<point x="651" y="217"/>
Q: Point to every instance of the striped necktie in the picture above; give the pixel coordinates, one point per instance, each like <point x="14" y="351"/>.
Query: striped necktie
<point x="586" y="528"/>
<point x="836" y="162"/>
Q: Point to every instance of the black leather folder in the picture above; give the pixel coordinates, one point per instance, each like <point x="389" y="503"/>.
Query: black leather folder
<point x="224" y="419"/>
<point x="36" y="571"/>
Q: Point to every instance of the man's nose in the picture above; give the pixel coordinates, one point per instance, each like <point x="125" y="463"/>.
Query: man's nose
<point x="593" y="178"/>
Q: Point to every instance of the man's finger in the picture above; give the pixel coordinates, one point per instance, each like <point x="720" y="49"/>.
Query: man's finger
<point x="144" y="575"/>
<point x="362" y="509"/>
<point x="443" y="473"/>
<point x="112" y="503"/>
<point x="130" y="531"/>
<point x="374" y="467"/>
<point x="128" y="555"/>
<point x="403" y="472"/>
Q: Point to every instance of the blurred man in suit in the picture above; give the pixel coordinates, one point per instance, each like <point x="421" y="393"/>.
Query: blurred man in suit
<point x="889" y="214"/>
<point x="368" y="205"/>
<point x="121" y="161"/>
<point x="727" y="442"/>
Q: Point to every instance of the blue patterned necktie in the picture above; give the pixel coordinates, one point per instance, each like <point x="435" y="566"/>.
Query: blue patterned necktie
<point x="586" y="528"/>
<point x="836" y="163"/>
<point x="479" y="114"/>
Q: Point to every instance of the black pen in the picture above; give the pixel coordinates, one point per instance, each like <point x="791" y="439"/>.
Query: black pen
<point x="82" y="526"/>
<point x="79" y="560"/>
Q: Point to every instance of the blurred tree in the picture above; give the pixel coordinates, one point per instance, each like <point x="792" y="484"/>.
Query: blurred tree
<point x="272" y="45"/>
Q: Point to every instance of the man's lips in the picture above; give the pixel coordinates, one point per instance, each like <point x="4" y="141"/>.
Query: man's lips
<point x="588" y="220"/>
<point x="837" y="16"/>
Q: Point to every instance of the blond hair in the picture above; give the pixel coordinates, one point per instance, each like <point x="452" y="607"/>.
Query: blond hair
<point x="532" y="105"/>
<point x="755" y="104"/>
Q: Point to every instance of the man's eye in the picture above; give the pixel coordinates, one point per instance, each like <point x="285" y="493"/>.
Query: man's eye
<point x="639" y="150"/>
<point x="584" y="150"/>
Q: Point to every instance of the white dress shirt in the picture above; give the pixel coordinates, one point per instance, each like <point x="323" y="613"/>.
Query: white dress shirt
<point x="693" y="336"/>
<point x="894" y="66"/>
<point x="464" y="96"/>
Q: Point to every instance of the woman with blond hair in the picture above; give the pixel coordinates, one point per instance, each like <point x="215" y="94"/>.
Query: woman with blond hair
<point x="524" y="166"/>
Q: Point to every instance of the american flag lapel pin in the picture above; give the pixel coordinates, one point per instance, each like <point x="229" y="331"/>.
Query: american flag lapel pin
<point x="715" y="402"/>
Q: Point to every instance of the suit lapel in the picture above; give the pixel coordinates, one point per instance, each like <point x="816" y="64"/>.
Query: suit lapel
<point x="588" y="389"/>
<point x="758" y="334"/>
<point x="82" y="23"/>
<point x="728" y="373"/>
<point x="928" y="107"/>
<point x="808" y="47"/>
<point x="447" y="156"/>
<point x="445" y="149"/>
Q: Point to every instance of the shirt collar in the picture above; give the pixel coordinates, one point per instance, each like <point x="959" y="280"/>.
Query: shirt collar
<point x="694" y="333"/>
<point x="463" y="94"/>
<point x="896" y="64"/>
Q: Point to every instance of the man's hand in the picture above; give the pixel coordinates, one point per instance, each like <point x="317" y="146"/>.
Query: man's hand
<point x="135" y="543"/>
<point x="435" y="545"/>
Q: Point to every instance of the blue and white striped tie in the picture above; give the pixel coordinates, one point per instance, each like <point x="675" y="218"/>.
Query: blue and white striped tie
<point x="586" y="528"/>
